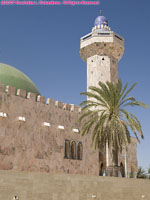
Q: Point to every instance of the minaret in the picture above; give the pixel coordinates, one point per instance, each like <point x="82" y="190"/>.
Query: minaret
<point x="101" y="50"/>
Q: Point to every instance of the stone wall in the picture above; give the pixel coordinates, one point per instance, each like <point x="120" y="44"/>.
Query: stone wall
<point x="30" y="146"/>
<point x="43" y="186"/>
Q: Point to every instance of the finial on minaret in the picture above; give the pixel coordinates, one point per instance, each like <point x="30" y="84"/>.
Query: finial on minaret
<point x="100" y="12"/>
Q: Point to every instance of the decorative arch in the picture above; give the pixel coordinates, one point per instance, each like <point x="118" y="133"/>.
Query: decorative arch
<point x="122" y="169"/>
<point x="73" y="150"/>
<point x="101" y="171"/>
<point x="79" y="151"/>
<point x="67" y="149"/>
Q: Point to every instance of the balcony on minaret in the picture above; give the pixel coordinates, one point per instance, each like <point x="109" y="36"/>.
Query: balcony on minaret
<point x="101" y="41"/>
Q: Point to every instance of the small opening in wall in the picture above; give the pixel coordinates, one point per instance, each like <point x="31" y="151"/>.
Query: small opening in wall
<point x="67" y="149"/>
<point x="101" y="172"/>
<point x="103" y="58"/>
<point x="73" y="150"/>
<point x="79" y="151"/>
<point x="91" y="72"/>
<point x="122" y="169"/>
<point x="15" y="198"/>
<point x="91" y="60"/>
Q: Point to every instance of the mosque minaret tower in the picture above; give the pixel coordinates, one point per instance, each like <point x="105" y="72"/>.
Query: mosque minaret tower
<point x="101" y="50"/>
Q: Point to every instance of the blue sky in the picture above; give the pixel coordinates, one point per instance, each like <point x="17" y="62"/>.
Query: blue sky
<point x="44" y="43"/>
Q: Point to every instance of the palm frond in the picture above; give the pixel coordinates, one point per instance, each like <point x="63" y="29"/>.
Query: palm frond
<point x="104" y="115"/>
<point x="128" y="91"/>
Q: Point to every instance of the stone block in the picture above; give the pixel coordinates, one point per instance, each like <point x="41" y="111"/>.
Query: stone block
<point x="59" y="104"/>
<point x="74" y="108"/>
<point x="21" y="93"/>
<point x="50" y="102"/>
<point x="41" y="99"/>
<point x="31" y="96"/>
<point x="10" y="90"/>
<point x="66" y="106"/>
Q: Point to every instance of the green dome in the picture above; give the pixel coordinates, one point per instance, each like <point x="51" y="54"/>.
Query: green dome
<point x="13" y="77"/>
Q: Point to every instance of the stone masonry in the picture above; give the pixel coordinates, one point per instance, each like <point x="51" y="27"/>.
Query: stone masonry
<point x="101" y="51"/>
<point x="43" y="186"/>
<point x="30" y="146"/>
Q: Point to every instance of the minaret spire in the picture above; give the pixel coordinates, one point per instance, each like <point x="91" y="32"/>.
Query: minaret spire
<point x="100" y="12"/>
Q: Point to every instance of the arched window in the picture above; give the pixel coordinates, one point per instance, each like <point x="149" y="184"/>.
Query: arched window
<point x="73" y="150"/>
<point x="67" y="149"/>
<point x="79" y="151"/>
<point x="101" y="171"/>
<point x="122" y="169"/>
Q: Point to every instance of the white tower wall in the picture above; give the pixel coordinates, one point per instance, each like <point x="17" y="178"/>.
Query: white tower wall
<point x="101" y="68"/>
<point x="102" y="52"/>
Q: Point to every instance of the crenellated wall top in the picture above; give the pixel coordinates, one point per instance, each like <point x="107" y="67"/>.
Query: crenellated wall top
<point x="38" y="98"/>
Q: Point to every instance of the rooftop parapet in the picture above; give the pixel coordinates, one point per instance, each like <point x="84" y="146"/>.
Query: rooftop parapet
<point x="39" y="99"/>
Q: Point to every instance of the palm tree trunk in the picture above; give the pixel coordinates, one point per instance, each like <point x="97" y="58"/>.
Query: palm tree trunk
<point x="107" y="155"/>
<point x="107" y="160"/>
<point x="115" y="162"/>
<point x="125" y="158"/>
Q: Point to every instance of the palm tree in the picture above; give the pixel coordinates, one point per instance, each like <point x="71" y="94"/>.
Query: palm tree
<point x="104" y="114"/>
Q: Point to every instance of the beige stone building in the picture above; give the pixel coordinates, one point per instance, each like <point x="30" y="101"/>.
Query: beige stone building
<point x="43" y="135"/>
